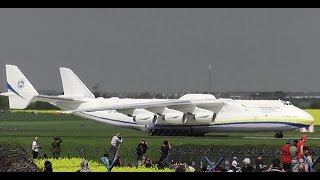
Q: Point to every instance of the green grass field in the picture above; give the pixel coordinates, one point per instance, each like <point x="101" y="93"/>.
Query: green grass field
<point x="316" y="114"/>
<point x="94" y="137"/>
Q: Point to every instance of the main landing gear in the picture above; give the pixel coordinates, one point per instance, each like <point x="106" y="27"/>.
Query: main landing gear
<point x="173" y="132"/>
<point x="278" y="134"/>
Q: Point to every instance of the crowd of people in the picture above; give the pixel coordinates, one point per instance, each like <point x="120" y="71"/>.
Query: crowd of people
<point x="55" y="147"/>
<point x="295" y="157"/>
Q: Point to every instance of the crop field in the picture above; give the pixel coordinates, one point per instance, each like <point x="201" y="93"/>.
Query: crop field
<point x="84" y="137"/>
<point x="73" y="165"/>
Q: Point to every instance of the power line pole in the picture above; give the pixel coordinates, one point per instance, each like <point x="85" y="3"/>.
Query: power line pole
<point x="210" y="79"/>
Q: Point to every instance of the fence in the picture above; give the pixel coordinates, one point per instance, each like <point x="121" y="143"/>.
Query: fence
<point x="187" y="154"/>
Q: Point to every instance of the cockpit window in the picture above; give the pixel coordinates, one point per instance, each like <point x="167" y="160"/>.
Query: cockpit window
<point x="287" y="103"/>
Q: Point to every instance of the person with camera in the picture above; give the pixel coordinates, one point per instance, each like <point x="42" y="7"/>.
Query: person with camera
<point x="141" y="152"/>
<point x="114" y="150"/>
<point x="164" y="150"/>
<point x="35" y="148"/>
<point x="56" y="150"/>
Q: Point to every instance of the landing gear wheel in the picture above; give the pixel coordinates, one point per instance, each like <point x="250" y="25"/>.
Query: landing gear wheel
<point x="151" y="133"/>
<point x="278" y="135"/>
<point x="162" y="133"/>
<point x="156" y="132"/>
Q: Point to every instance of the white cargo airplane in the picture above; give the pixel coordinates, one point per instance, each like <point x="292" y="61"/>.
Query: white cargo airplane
<point x="190" y="115"/>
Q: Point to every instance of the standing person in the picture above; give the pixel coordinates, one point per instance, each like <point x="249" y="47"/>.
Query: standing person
<point x="307" y="159"/>
<point x="114" y="150"/>
<point x="300" y="146"/>
<point x="141" y="152"/>
<point x="164" y="150"/>
<point x="35" y="148"/>
<point x="294" y="156"/>
<point x="286" y="157"/>
<point x="56" y="150"/>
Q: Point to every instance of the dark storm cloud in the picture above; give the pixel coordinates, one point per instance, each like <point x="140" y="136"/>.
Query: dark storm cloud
<point x="165" y="50"/>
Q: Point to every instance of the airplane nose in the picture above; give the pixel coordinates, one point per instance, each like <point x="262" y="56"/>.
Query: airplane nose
<point x="308" y="117"/>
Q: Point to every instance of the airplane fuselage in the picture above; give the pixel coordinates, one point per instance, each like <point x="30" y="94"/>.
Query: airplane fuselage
<point x="235" y="115"/>
<point x="191" y="114"/>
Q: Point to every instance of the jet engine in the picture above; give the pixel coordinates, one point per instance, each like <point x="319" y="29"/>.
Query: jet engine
<point x="145" y="119"/>
<point x="175" y="118"/>
<point x="205" y="117"/>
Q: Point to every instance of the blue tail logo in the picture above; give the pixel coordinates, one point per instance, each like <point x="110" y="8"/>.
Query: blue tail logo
<point x="21" y="84"/>
<point x="11" y="89"/>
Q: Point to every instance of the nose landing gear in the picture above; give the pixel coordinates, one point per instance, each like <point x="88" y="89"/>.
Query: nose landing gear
<point x="278" y="134"/>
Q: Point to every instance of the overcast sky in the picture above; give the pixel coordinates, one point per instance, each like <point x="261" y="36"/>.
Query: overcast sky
<point x="165" y="50"/>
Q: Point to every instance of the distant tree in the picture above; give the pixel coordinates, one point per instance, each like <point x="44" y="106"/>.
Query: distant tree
<point x="145" y="95"/>
<point x="171" y="96"/>
<point x="315" y="104"/>
<point x="158" y="96"/>
<point x="225" y="95"/>
<point x="4" y="103"/>
<point x="105" y="95"/>
<point x="279" y="95"/>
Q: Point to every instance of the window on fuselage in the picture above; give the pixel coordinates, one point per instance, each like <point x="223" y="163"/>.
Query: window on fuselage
<point x="288" y="103"/>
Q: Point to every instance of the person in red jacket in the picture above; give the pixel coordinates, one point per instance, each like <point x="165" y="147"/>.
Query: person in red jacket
<point x="301" y="144"/>
<point x="286" y="156"/>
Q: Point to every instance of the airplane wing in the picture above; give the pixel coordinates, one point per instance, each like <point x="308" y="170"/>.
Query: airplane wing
<point x="167" y="103"/>
<point x="153" y="106"/>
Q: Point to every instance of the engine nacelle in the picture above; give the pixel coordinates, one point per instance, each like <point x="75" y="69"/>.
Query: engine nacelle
<point x="205" y="117"/>
<point x="145" y="119"/>
<point x="175" y="118"/>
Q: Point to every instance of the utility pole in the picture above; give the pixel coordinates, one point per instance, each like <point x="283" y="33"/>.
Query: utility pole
<point x="210" y="79"/>
<point x="95" y="90"/>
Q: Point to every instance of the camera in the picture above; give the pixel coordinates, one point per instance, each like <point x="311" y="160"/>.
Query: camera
<point x="57" y="138"/>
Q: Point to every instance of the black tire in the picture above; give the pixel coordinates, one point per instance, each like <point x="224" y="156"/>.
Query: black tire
<point x="278" y="135"/>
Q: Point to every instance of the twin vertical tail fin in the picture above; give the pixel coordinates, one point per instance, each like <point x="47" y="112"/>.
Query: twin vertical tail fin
<point x="72" y="85"/>
<point x="20" y="90"/>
